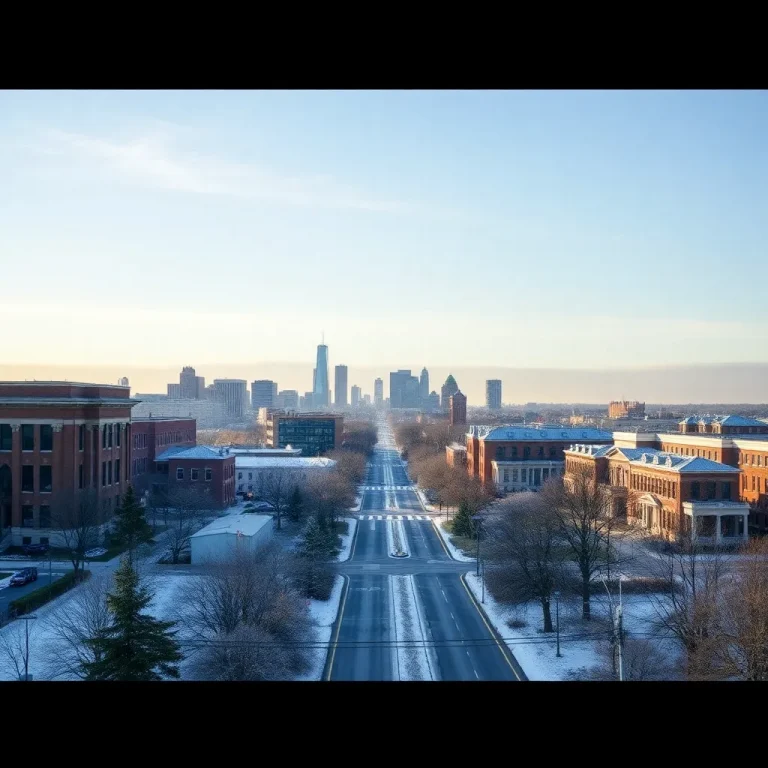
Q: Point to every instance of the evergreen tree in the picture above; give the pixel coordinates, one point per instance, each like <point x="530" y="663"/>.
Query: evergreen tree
<point x="135" y="646"/>
<point x="318" y="540"/>
<point x="131" y="526"/>
<point x="295" y="505"/>
<point x="462" y="523"/>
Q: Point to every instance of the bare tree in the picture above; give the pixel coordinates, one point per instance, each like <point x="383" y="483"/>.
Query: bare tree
<point x="642" y="659"/>
<point x="329" y="494"/>
<point x="276" y="487"/>
<point x="83" y="615"/>
<point x="524" y="552"/>
<point x="582" y="507"/>
<point x="186" y="514"/>
<point x="78" y="523"/>
<point x="14" y="646"/>
<point x="351" y="464"/>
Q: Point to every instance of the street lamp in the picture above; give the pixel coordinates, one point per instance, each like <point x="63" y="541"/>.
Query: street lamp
<point x="557" y="620"/>
<point x="26" y="620"/>
<point x="477" y="519"/>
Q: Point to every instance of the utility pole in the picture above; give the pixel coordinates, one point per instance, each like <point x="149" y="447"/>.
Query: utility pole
<point x="557" y="619"/>
<point x="26" y="620"/>
<point x="620" y="627"/>
<point x="477" y="519"/>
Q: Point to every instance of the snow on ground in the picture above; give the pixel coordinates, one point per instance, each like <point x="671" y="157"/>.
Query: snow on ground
<point x="6" y="582"/>
<point x="358" y="503"/>
<point x="424" y="502"/>
<point x="323" y="613"/>
<point x="456" y="553"/>
<point x="397" y="541"/>
<point x="580" y="645"/>
<point x="414" y="660"/>
<point x="347" y="538"/>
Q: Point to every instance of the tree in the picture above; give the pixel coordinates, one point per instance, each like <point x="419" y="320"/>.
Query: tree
<point x="329" y="494"/>
<point x="131" y="526"/>
<point x="462" y="523"/>
<point x="350" y="463"/>
<point x="642" y="659"/>
<point x="78" y="523"/>
<point x="81" y="616"/>
<point x="14" y="646"/>
<point x="582" y="508"/>
<point x="314" y="572"/>
<point x="135" y="646"/>
<point x="295" y="505"/>
<point x="523" y="549"/>
<point x="186" y="514"/>
<point x="276" y="487"/>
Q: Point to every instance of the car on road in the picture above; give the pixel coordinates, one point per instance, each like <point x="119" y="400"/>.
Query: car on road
<point x="35" y="549"/>
<point x="22" y="577"/>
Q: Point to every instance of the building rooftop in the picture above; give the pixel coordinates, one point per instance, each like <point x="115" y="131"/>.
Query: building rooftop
<point x="135" y="419"/>
<point x="204" y="452"/>
<point x="247" y="525"/>
<point x="733" y="420"/>
<point x="286" y="462"/>
<point x="265" y="452"/>
<point x="655" y="458"/>
<point x="538" y="433"/>
<point x="457" y="447"/>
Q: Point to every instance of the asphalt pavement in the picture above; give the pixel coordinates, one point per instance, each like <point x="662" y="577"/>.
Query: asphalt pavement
<point x="9" y="594"/>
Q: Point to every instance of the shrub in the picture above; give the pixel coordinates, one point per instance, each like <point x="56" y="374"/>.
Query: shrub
<point x="39" y="597"/>
<point x="516" y="623"/>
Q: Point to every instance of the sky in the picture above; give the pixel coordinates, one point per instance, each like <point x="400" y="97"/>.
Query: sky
<point x="524" y="230"/>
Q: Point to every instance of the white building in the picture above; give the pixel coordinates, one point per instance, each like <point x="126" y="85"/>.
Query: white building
<point x="250" y="470"/>
<point x="207" y="413"/>
<point x="229" y="534"/>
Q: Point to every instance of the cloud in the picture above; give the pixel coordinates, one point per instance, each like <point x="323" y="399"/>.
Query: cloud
<point x="153" y="160"/>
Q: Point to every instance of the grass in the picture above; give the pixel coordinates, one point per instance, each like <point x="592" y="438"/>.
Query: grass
<point x="5" y="575"/>
<point x="39" y="597"/>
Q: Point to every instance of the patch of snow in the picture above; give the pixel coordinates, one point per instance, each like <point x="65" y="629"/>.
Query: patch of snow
<point x="346" y="539"/>
<point x="323" y="613"/>
<point x="424" y="502"/>
<point x="397" y="542"/>
<point x="414" y="657"/>
<point x="5" y="582"/>
<point x="456" y="553"/>
<point x="358" y="503"/>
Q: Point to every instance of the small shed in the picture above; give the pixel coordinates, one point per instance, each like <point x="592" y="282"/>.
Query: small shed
<point x="229" y="534"/>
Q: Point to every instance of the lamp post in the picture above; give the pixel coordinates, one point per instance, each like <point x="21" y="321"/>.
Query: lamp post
<point x="557" y="621"/>
<point x="26" y="620"/>
<point x="477" y="519"/>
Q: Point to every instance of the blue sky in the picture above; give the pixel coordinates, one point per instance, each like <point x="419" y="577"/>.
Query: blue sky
<point x="522" y="229"/>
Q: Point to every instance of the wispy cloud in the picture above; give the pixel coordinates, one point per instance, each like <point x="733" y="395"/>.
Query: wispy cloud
<point x="154" y="160"/>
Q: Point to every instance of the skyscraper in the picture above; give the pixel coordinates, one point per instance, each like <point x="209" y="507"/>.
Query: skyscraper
<point x="289" y="399"/>
<point x="340" y="384"/>
<point x="355" y="396"/>
<point x="321" y="387"/>
<point x="188" y="383"/>
<point x="458" y="408"/>
<point x="424" y="385"/>
<point x="449" y="388"/>
<point x="403" y="389"/>
<point x="263" y="394"/>
<point x="493" y="394"/>
<point x="378" y="392"/>
<point x="233" y="393"/>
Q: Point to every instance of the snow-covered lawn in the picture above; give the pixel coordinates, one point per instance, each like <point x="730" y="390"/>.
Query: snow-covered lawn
<point x="414" y="658"/>
<point x="323" y="613"/>
<point x="580" y="644"/>
<point x="456" y="553"/>
<point x="347" y="538"/>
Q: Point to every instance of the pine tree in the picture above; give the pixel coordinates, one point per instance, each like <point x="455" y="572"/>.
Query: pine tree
<point x="135" y="646"/>
<point x="462" y="523"/>
<point x="131" y="526"/>
<point x="295" y="505"/>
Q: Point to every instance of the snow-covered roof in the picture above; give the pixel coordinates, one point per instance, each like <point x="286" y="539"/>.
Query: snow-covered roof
<point x="536" y="433"/>
<point x="284" y="462"/>
<point x="733" y="420"/>
<point x="457" y="447"/>
<point x="589" y="449"/>
<point x="202" y="452"/>
<point x="654" y="458"/>
<point x="266" y="452"/>
<point x="248" y="525"/>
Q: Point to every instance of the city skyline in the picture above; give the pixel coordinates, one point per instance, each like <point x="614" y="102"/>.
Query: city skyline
<point x="584" y="193"/>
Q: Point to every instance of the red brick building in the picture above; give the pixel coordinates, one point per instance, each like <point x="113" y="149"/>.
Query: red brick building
<point x="458" y="409"/>
<point x="206" y="470"/>
<point x="57" y="441"/>
<point x="626" y="409"/>
<point x="150" y="437"/>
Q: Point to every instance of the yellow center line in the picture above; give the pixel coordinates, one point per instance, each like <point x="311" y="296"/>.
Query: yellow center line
<point x="487" y="626"/>
<point x="338" y="627"/>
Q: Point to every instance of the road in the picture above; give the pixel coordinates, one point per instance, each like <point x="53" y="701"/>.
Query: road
<point x="9" y="594"/>
<point x="451" y="630"/>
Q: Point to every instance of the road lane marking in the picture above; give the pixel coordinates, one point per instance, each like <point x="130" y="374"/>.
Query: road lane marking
<point x="444" y="597"/>
<point x="338" y="628"/>
<point x="410" y="517"/>
<point x="354" y="543"/>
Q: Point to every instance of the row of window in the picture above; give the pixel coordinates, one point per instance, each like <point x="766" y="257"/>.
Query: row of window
<point x="755" y="483"/>
<point x="683" y="451"/>
<point x="45" y="479"/>
<point x="173" y="438"/>
<point x="28" y="441"/>
<point x="28" y="516"/>
<point x="512" y="452"/>
<point x="754" y="460"/>
<point x="107" y="432"/>
<point x="140" y="440"/>
<point x="138" y="466"/>
<point x="194" y="474"/>
<point x="106" y="473"/>
<point x="530" y="476"/>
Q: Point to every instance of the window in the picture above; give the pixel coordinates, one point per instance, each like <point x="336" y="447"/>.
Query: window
<point x="753" y="482"/>
<point x="250" y="475"/>
<point x="527" y="452"/>
<point x="208" y="474"/>
<point x="193" y="474"/>
<point x="46" y="479"/>
<point x="46" y="437"/>
<point x="117" y="435"/>
<point x="45" y="517"/>
<point x="27" y="516"/>
<point x="552" y="453"/>
<point x="239" y="475"/>
<point x="514" y="451"/>
<point x="103" y="474"/>
<point x="117" y="470"/>
<point x="506" y="475"/>
<point x="109" y="436"/>
<point x="674" y="490"/>
<point x="6" y="437"/>
<point x="726" y="489"/>
<point x="499" y="452"/>
<point x="26" y="540"/>
<point x="80" y="476"/>
<point x="104" y="436"/>
<point x="109" y="473"/>
<point x="179" y="473"/>
<point x="27" y="437"/>
<point x="28" y="479"/>
<point x="44" y="539"/>
<point x="695" y="494"/>
<point x="541" y="453"/>
<point x="712" y="490"/>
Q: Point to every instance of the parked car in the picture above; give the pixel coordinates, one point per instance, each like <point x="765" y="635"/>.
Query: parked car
<point x="24" y="576"/>
<point x="36" y="549"/>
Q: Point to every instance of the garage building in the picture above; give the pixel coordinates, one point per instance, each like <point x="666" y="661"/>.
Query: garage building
<point x="229" y="534"/>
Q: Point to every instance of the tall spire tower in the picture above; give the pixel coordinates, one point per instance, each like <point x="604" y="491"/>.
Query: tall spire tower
<point x="321" y="394"/>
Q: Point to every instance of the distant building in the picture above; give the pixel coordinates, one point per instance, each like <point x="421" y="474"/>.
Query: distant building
<point x="456" y="455"/>
<point x="626" y="409"/>
<point x="306" y="401"/>
<point x="203" y="469"/>
<point x="403" y="389"/>
<point x="458" y="409"/>
<point x="424" y="385"/>
<point x="378" y="393"/>
<point x="367" y="399"/>
<point x="234" y="394"/>
<point x="123" y="382"/>
<point x="321" y="384"/>
<point x="355" y="396"/>
<point x="208" y="414"/>
<point x="340" y="385"/>
<point x="288" y="399"/>
<point x="263" y="394"/>
<point x="723" y="425"/>
<point x="433" y="402"/>
<point x="174" y="391"/>
<point x="314" y="433"/>
<point x="449" y="388"/>
<point x="252" y="471"/>
<point x="493" y="394"/>
<point x="150" y="436"/>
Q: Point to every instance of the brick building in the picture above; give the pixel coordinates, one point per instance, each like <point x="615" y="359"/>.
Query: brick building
<point x="626" y="409"/>
<point x="59" y="440"/>
<point x="202" y="469"/>
<point x="519" y="457"/>
<point x="458" y="409"/>
<point x="456" y="455"/>
<point x="150" y="437"/>
<point x="667" y="494"/>
<point x="314" y="433"/>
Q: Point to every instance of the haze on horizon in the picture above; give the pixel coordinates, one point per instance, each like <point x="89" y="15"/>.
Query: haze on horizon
<point x="464" y="231"/>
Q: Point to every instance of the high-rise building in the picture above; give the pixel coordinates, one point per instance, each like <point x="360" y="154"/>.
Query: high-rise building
<point x="367" y="399"/>
<point x="321" y="387"/>
<point x="234" y="394"/>
<point x="433" y="402"/>
<point x="458" y="408"/>
<point x="340" y="384"/>
<point x="123" y="382"/>
<point x="288" y="399"/>
<point x="263" y="394"/>
<point x="449" y="388"/>
<point x="424" y="385"/>
<point x="200" y="387"/>
<point x="403" y="389"/>
<point x="174" y="391"/>
<point x="355" y="396"/>
<point x="493" y="394"/>
<point x="378" y="392"/>
<point x="626" y="409"/>
<point x="306" y="401"/>
<point x="188" y="383"/>
<point x="314" y="433"/>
